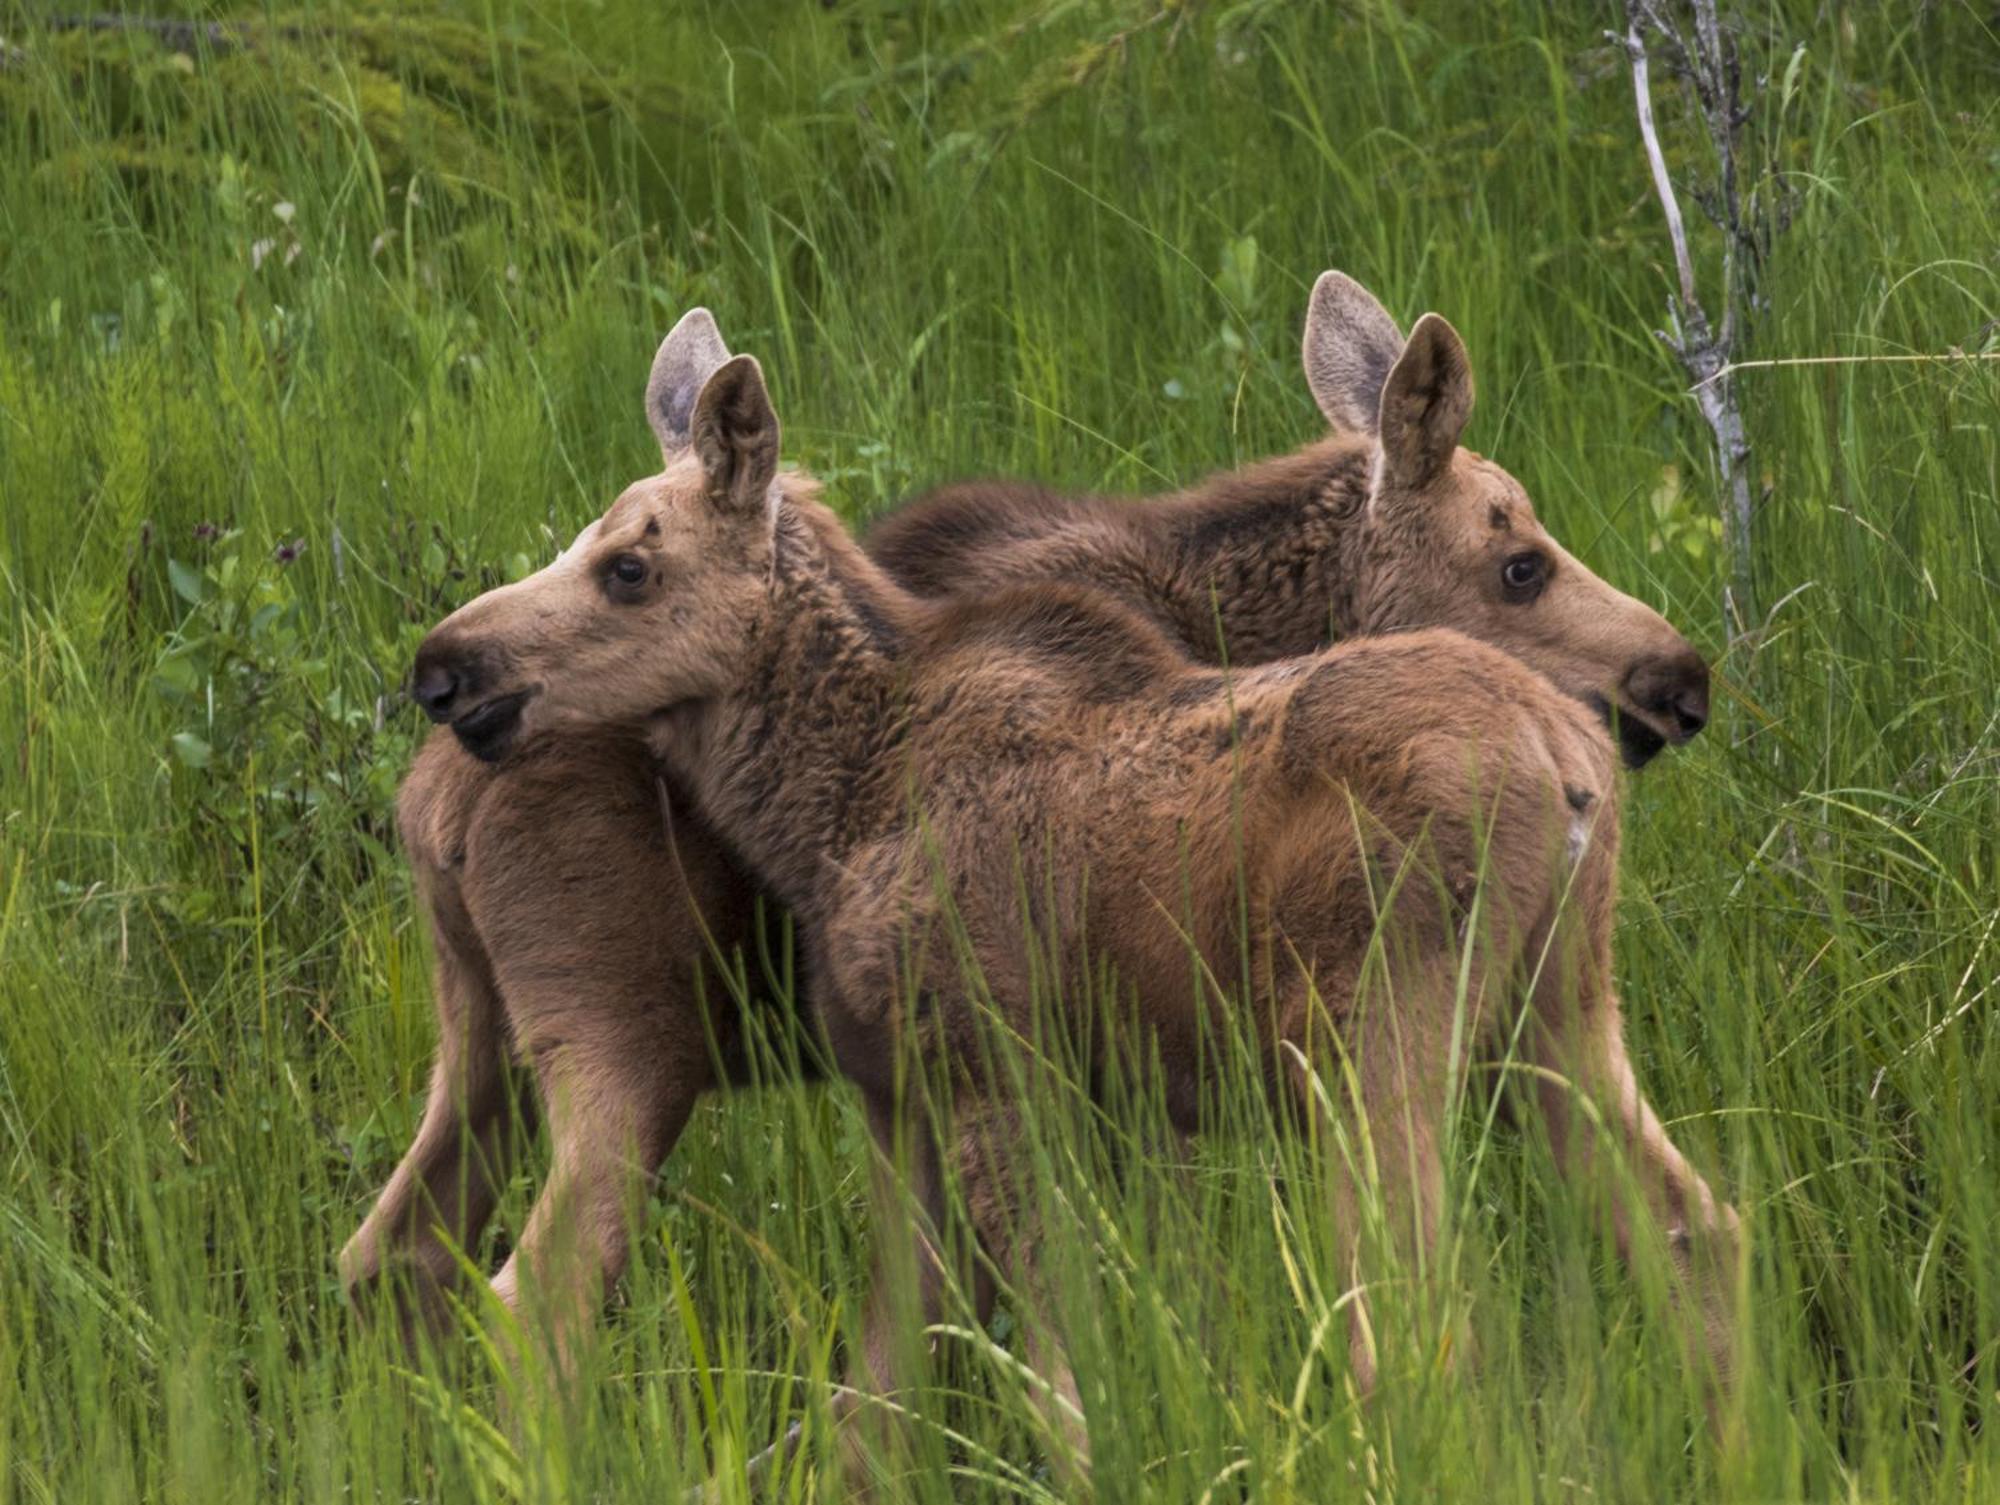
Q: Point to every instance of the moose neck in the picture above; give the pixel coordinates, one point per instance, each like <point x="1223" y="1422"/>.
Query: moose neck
<point x="800" y="762"/>
<point x="1272" y="555"/>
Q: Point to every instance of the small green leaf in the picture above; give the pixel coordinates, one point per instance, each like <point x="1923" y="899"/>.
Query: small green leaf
<point x="191" y="750"/>
<point x="1237" y="277"/>
<point x="1791" y="83"/>
<point x="177" y="674"/>
<point x="186" y="581"/>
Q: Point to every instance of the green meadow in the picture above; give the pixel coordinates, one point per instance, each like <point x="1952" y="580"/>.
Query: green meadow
<point x="315" y="326"/>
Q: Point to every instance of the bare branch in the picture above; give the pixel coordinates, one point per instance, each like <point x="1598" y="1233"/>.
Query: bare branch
<point x="1705" y="61"/>
<point x="1663" y="184"/>
<point x="1947" y="358"/>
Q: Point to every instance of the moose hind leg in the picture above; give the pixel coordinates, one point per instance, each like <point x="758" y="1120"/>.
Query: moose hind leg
<point x="441" y="1193"/>
<point x="614" y="1108"/>
<point x="604" y="922"/>
<point x="1377" y="1097"/>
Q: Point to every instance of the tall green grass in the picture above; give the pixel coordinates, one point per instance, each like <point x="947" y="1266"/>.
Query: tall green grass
<point x="306" y="339"/>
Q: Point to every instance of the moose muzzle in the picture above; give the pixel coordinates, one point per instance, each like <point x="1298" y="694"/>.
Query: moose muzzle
<point x="453" y="688"/>
<point x="1670" y="697"/>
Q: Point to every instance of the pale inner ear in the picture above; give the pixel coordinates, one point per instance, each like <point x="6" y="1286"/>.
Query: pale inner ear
<point x="734" y="434"/>
<point x="1425" y="404"/>
<point x="1351" y="345"/>
<point x="687" y="358"/>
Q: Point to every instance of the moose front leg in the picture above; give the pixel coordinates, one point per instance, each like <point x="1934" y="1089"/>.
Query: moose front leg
<point x="911" y="1280"/>
<point x="987" y="1134"/>
<point x="1590" y="1100"/>
<point x="905" y="1294"/>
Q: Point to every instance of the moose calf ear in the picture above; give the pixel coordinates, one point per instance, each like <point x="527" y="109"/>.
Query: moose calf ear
<point x="687" y="357"/>
<point x="1425" y="403"/>
<point x="735" y="434"/>
<point x="1351" y="344"/>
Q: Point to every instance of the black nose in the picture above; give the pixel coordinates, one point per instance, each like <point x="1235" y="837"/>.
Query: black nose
<point x="1690" y="707"/>
<point x="1676" y="690"/>
<point x="435" y="686"/>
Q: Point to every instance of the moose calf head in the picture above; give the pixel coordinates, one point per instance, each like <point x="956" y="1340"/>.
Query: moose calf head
<point x="655" y="603"/>
<point x="1452" y="539"/>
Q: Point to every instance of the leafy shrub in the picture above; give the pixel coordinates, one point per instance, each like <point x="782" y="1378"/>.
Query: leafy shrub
<point x="280" y="744"/>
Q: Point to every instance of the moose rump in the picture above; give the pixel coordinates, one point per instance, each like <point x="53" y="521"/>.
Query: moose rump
<point x="1286" y="852"/>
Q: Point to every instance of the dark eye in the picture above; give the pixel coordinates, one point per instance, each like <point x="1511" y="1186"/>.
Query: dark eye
<point x="629" y="569"/>
<point x="1522" y="576"/>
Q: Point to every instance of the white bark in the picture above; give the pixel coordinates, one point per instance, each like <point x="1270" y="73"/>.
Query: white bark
<point x="1704" y="353"/>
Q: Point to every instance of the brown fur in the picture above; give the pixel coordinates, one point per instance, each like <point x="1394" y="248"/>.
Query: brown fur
<point x="608" y="1013"/>
<point x="1292" y="553"/>
<point x="883" y="765"/>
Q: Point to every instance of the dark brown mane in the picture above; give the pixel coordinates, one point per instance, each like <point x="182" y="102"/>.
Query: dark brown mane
<point x="1062" y="626"/>
<point x="1094" y="643"/>
<point x="810" y="539"/>
<point x="1263" y="556"/>
<point x="927" y="540"/>
<point x="1262" y="500"/>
